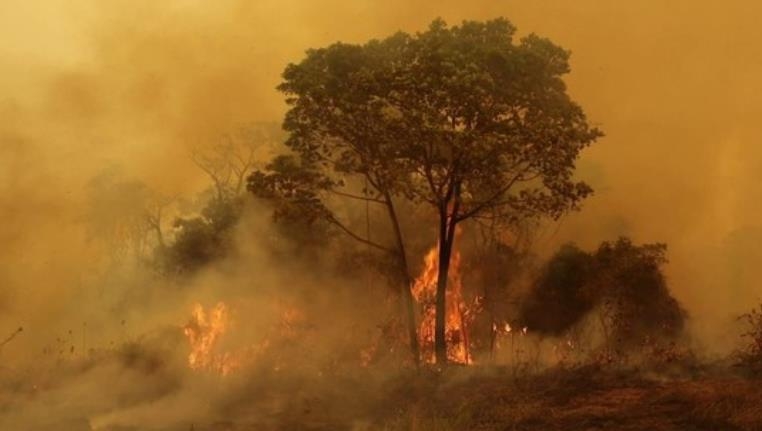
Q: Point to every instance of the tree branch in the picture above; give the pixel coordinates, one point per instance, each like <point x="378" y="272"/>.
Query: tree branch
<point x="331" y="219"/>
<point x="491" y="200"/>
<point x="359" y="198"/>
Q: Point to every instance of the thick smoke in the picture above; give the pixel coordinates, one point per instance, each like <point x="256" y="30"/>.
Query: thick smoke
<point x="133" y="87"/>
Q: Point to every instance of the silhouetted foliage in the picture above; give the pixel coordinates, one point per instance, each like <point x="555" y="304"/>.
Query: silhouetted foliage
<point x="629" y="280"/>
<point x="202" y="239"/>
<point x="292" y="187"/>
<point x="622" y="281"/>
<point x="559" y="299"/>
<point x="291" y="190"/>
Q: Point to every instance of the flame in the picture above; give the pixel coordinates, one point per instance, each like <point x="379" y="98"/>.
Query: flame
<point x="204" y="331"/>
<point x="457" y="315"/>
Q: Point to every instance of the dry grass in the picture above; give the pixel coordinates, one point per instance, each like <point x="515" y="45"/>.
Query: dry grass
<point x="589" y="399"/>
<point x="686" y="397"/>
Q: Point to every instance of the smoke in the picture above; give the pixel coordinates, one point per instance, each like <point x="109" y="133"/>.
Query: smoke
<point x="89" y="85"/>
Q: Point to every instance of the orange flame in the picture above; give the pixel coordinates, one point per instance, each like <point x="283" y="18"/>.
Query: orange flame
<point x="457" y="315"/>
<point x="204" y="331"/>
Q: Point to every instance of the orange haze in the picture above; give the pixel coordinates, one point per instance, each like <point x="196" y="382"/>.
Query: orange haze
<point x="90" y="84"/>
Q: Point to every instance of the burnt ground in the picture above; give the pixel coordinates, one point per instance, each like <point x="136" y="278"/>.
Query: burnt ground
<point x="149" y="397"/>
<point x="586" y="399"/>
<point x="589" y="399"/>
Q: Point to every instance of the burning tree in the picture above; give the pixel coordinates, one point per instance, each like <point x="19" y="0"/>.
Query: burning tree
<point x="489" y="129"/>
<point x="458" y="316"/>
<point x="460" y="118"/>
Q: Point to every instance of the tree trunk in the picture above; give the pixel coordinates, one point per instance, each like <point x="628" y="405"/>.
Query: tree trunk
<point x="406" y="289"/>
<point x="440" y="343"/>
<point x="447" y="222"/>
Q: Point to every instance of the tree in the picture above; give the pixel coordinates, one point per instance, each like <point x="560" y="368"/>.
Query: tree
<point x="228" y="162"/>
<point x="622" y="282"/>
<point x="302" y="188"/>
<point x="460" y="118"/>
<point x="293" y="189"/>
<point x="203" y="238"/>
<point x="205" y="233"/>
<point x="154" y="215"/>
<point x="636" y="303"/>
<point x="123" y="212"/>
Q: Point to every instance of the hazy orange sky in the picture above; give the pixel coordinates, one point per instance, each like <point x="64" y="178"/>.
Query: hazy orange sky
<point x="674" y="85"/>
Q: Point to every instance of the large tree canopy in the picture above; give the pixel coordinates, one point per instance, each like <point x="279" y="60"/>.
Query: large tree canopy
<point x="463" y="118"/>
<point x="462" y="106"/>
